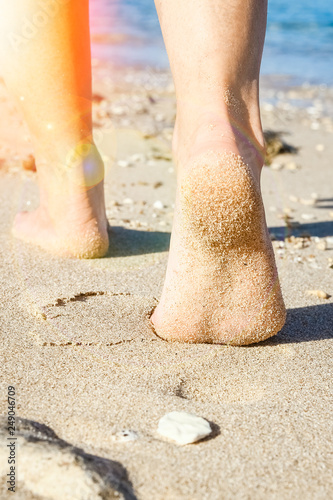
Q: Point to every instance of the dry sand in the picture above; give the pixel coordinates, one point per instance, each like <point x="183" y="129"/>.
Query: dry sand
<point x="76" y="341"/>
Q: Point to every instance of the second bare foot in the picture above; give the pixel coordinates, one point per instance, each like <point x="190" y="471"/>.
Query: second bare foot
<point x="70" y="220"/>
<point x="221" y="284"/>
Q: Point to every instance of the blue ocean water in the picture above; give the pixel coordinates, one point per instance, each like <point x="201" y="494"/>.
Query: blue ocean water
<point x="299" y="38"/>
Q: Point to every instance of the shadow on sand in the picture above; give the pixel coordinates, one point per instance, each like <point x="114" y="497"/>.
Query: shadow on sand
<point x="126" y="242"/>
<point x="320" y="229"/>
<point x="305" y="324"/>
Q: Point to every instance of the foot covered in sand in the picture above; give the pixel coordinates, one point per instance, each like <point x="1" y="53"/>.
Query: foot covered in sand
<point x="221" y="283"/>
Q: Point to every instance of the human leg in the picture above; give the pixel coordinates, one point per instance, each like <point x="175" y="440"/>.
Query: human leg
<point x="45" y="61"/>
<point x="221" y="283"/>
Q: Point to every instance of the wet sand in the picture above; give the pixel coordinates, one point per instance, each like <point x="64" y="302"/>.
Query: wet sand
<point x="76" y="340"/>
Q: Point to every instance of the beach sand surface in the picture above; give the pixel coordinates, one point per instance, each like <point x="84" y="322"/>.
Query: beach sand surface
<point x="76" y="340"/>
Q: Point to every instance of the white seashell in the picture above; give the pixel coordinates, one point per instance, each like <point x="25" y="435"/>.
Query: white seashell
<point x="183" y="428"/>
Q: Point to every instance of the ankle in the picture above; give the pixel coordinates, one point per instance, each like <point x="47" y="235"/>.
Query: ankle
<point x="72" y="188"/>
<point x="220" y="128"/>
<point x="76" y="173"/>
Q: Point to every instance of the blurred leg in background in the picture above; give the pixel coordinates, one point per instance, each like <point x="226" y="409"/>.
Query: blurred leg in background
<point x="46" y="63"/>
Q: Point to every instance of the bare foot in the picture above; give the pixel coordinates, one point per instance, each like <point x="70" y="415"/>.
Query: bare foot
<point x="221" y="284"/>
<point x="70" y="220"/>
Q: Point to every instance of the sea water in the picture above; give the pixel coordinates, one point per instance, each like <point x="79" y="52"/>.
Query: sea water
<point x="299" y="38"/>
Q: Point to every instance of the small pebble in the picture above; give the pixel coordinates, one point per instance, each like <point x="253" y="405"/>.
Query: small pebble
<point x="102" y="113"/>
<point x="308" y="216"/>
<point x="322" y="245"/>
<point x="319" y="293"/>
<point x="291" y="165"/>
<point x="160" y="155"/>
<point x="320" y="147"/>
<point x="97" y="98"/>
<point x="314" y="125"/>
<point x="126" y="435"/>
<point x="118" y="110"/>
<point x="183" y="428"/>
<point x="125" y="122"/>
<point x="287" y="218"/>
<point x="29" y="163"/>
<point x="314" y="265"/>
<point x="138" y="157"/>
<point x="293" y="198"/>
<point x="159" y="117"/>
<point x="158" y="205"/>
<point x="309" y="202"/>
<point x="276" y="166"/>
<point x="106" y="158"/>
<point x="123" y="163"/>
<point x="299" y="244"/>
<point x="128" y="201"/>
<point x="268" y="107"/>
